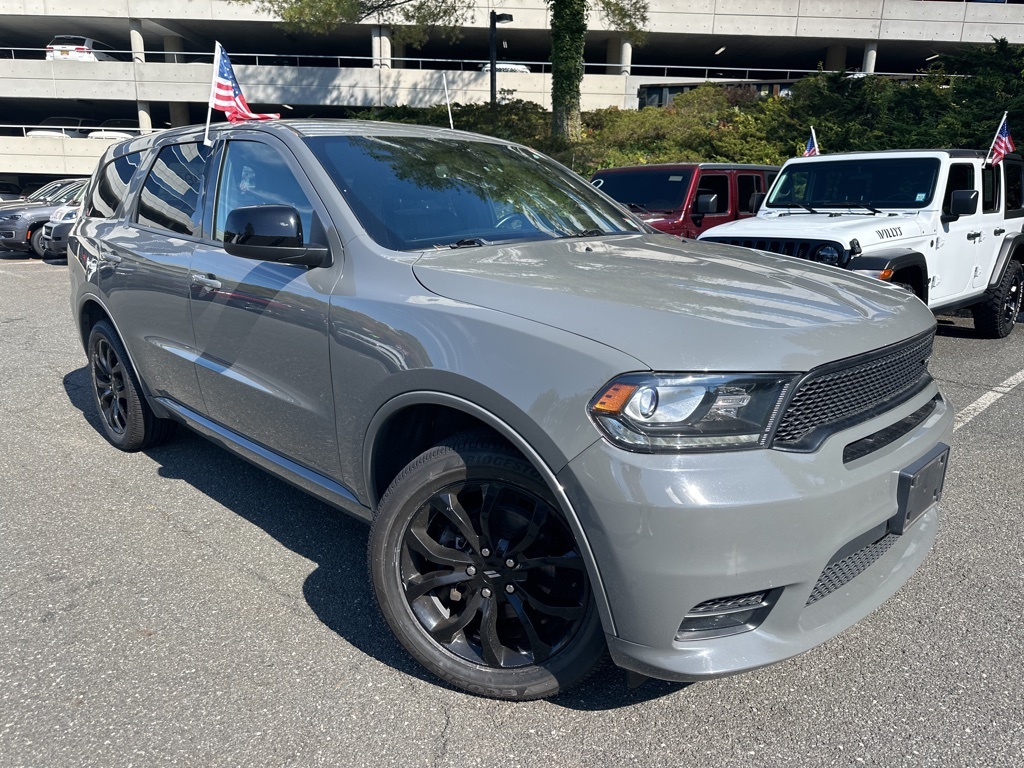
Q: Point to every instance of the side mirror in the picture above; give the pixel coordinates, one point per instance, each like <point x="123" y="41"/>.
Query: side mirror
<point x="270" y="233"/>
<point x="755" y="201"/>
<point x="963" y="202"/>
<point x="707" y="203"/>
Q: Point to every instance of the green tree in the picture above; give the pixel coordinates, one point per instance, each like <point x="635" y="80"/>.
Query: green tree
<point x="414" y="19"/>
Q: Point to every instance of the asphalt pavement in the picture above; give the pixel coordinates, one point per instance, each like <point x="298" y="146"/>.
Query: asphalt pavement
<point x="178" y="607"/>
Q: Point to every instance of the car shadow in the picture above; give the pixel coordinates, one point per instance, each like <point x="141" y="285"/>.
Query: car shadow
<point x="961" y="326"/>
<point x="338" y="590"/>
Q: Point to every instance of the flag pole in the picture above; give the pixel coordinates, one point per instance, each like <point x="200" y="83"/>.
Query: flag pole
<point x="993" y="144"/>
<point x="213" y="89"/>
<point x="447" y="101"/>
<point x="817" y="147"/>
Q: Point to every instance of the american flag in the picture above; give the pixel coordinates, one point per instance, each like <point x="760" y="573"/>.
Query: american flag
<point x="812" y="145"/>
<point x="1002" y="144"/>
<point x="226" y="96"/>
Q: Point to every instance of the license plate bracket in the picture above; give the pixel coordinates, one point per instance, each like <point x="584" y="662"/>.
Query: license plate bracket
<point x="919" y="488"/>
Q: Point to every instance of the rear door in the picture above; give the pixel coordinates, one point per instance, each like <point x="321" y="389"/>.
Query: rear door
<point x="142" y="265"/>
<point x="262" y="327"/>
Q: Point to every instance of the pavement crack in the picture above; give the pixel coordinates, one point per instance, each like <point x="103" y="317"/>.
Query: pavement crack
<point x="445" y="735"/>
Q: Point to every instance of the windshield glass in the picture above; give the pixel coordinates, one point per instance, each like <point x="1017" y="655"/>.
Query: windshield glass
<point x="648" y="189"/>
<point x="68" y="193"/>
<point x="879" y="183"/>
<point x="412" y="193"/>
<point x="43" y="192"/>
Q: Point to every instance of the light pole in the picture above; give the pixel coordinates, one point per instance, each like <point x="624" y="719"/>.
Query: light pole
<point x="496" y="19"/>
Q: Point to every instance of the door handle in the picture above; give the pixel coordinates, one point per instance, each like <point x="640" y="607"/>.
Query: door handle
<point x="206" y="282"/>
<point x="999" y="231"/>
<point x="110" y="258"/>
<point x="973" y="235"/>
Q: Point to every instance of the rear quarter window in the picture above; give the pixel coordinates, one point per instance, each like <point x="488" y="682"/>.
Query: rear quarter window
<point x="110" y="185"/>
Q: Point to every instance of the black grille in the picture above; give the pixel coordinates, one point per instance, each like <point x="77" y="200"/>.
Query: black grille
<point x="841" y="395"/>
<point x="729" y="604"/>
<point x="892" y="433"/>
<point x="801" y="249"/>
<point x="843" y="571"/>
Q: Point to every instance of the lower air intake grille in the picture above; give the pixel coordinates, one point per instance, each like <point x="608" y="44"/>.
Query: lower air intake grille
<point x="843" y="571"/>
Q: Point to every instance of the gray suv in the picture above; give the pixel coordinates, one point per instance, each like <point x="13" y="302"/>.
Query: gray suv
<point x="571" y="435"/>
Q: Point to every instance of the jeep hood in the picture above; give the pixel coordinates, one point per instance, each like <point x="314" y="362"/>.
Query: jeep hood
<point x="675" y="305"/>
<point x="867" y="228"/>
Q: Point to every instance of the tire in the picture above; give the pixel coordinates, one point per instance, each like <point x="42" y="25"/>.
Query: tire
<point x="128" y="421"/>
<point x="994" y="317"/>
<point x="479" y="576"/>
<point x="36" y="244"/>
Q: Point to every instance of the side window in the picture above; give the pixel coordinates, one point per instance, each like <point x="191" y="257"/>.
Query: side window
<point x="715" y="184"/>
<point x="961" y="176"/>
<point x="990" y="189"/>
<point x="110" y="185"/>
<point x="1014" y="188"/>
<point x="256" y="174"/>
<point x="746" y="185"/>
<point x="170" y="194"/>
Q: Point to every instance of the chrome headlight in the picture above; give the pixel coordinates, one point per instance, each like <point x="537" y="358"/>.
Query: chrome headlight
<point x="669" y="413"/>
<point x="827" y="254"/>
<point x="70" y="215"/>
<point x="11" y="217"/>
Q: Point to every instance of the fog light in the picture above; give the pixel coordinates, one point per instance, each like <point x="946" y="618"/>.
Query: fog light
<point x="727" y="615"/>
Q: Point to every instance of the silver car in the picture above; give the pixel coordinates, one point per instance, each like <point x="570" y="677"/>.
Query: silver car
<point x="570" y="435"/>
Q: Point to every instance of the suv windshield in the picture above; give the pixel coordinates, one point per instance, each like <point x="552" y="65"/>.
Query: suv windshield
<point x="649" y="189"/>
<point x="878" y="183"/>
<point x="412" y="193"/>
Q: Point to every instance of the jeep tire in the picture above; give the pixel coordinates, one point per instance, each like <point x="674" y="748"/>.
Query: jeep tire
<point x="994" y="317"/>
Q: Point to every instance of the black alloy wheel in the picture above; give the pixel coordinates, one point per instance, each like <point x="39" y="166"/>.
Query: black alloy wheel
<point x="995" y="317"/>
<point x="128" y="421"/>
<point x="480" y="577"/>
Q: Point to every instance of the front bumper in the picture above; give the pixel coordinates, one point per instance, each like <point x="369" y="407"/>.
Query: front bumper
<point x="55" y="238"/>
<point x="671" y="532"/>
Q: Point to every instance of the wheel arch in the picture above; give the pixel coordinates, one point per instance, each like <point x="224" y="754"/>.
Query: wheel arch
<point x="416" y="421"/>
<point x="903" y="261"/>
<point x="1011" y="249"/>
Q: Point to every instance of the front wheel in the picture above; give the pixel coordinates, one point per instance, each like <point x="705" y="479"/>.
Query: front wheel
<point x="479" y="576"/>
<point x="994" y="317"/>
<point x="36" y="244"/>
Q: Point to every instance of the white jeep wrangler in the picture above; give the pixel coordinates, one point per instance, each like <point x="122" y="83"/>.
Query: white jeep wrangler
<point x="940" y="223"/>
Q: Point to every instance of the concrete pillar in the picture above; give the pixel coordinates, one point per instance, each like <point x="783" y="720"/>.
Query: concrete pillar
<point x="173" y="45"/>
<point x="399" y="53"/>
<point x="138" y="47"/>
<point x="870" y="54"/>
<point x="835" y="57"/>
<point x="145" y="121"/>
<point x="619" y="56"/>
<point x="380" y="47"/>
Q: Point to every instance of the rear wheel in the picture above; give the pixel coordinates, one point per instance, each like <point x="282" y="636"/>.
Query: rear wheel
<point x="128" y="421"/>
<point x="994" y="317"/>
<point x="479" y="576"/>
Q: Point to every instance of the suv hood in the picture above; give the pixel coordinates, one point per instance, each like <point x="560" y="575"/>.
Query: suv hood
<point x="868" y="228"/>
<point x="677" y="306"/>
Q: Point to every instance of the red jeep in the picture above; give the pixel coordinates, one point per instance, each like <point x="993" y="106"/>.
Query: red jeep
<point x="684" y="199"/>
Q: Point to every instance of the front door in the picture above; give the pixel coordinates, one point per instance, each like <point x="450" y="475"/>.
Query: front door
<point x="956" y="249"/>
<point x="262" y="327"/>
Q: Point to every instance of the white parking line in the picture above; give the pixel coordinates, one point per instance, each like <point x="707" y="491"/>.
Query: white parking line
<point x="987" y="399"/>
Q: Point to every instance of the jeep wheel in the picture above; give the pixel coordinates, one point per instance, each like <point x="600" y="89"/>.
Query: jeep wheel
<point x="478" y="575"/>
<point x="128" y="421"/>
<point x="995" y="316"/>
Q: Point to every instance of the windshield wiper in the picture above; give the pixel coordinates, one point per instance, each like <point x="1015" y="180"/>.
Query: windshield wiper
<point x="641" y="208"/>
<point x="468" y="242"/>
<point x="863" y="205"/>
<point x="806" y="207"/>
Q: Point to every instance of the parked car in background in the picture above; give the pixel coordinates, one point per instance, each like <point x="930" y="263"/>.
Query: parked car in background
<point x="9" y="191"/>
<point x="70" y="127"/>
<point x="21" y="227"/>
<point x="116" y="129"/>
<point x="571" y="435"/>
<point x="76" y="48"/>
<point x="56" y="230"/>
<point x="684" y="199"/>
<point x="42" y="194"/>
<point x="506" y="66"/>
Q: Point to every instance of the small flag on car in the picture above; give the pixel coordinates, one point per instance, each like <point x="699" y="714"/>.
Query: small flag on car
<point x="226" y="95"/>
<point x="812" y="145"/>
<point x="1002" y="144"/>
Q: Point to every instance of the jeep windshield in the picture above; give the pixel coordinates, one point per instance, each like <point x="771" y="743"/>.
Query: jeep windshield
<point x="862" y="185"/>
<point x="647" y="190"/>
<point x="413" y="193"/>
